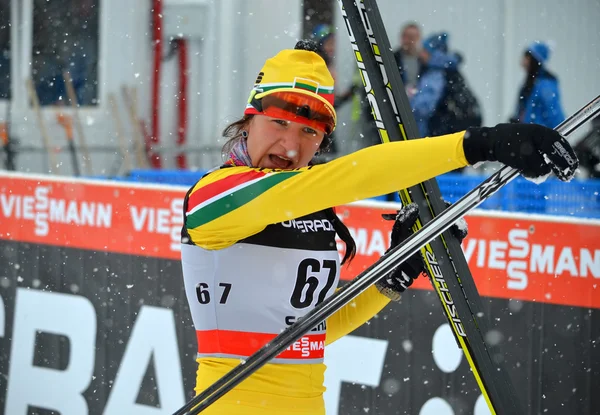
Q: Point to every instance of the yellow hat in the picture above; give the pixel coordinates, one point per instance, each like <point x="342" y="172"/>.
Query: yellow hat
<point x="294" y="70"/>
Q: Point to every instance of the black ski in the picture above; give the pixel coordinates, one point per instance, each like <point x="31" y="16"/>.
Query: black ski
<point x="452" y="278"/>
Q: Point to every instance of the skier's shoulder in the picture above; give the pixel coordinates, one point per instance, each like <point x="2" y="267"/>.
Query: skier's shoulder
<point x="223" y="177"/>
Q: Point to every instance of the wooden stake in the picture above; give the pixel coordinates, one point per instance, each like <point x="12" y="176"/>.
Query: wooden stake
<point x="140" y="144"/>
<point x="119" y="131"/>
<point x="66" y="121"/>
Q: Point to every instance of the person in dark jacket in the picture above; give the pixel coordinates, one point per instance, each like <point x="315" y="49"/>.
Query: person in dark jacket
<point x="435" y="60"/>
<point x="407" y="56"/>
<point x="539" y="97"/>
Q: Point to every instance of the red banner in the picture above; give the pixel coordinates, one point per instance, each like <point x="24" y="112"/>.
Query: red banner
<point x="534" y="258"/>
<point x="104" y="216"/>
<point x="526" y="257"/>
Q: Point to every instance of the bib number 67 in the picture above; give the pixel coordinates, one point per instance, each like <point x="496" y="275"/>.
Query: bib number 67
<point x="307" y="283"/>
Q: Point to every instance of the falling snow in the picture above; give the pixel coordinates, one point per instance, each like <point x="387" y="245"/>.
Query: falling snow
<point x="94" y="112"/>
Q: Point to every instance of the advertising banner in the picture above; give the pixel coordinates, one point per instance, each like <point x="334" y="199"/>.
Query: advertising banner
<point x="538" y="258"/>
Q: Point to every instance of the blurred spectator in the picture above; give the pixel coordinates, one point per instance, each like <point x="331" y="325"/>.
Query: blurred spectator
<point x="408" y="61"/>
<point x="324" y="35"/>
<point x="407" y="56"/>
<point x="443" y="102"/>
<point x="65" y="38"/>
<point x="539" y="97"/>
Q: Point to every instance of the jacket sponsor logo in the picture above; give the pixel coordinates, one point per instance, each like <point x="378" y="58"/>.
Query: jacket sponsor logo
<point x="161" y="221"/>
<point x="44" y="210"/>
<point x="304" y="226"/>
<point x="305" y="346"/>
<point x="518" y="258"/>
<point x="321" y="327"/>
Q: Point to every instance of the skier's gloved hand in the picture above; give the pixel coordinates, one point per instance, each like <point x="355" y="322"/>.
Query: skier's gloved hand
<point x="397" y="281"/>
<point x="533" y="149"/>
<point x="393" y="284"/>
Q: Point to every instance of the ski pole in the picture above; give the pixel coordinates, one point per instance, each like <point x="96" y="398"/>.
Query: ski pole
<point x="381" y="267"/>
<point x="67" y="123"/>
<point x="443" y="256"/>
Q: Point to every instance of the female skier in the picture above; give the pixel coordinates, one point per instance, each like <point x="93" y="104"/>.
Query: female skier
<point x="259" y="248"/>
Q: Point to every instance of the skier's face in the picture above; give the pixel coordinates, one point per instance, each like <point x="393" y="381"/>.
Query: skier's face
<point x="275" y="143"/>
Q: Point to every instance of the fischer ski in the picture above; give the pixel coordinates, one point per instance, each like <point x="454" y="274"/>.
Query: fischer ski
<point x="450" y="274"/>
<point x="381" y="267"/>
<point x="451" y="277"/>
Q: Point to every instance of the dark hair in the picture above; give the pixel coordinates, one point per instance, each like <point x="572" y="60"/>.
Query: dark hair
<point x="307" y="44"/>
<point x="233" y="133"/>
<point x="534" y="71"/>
<point x="344" y="234"/>
<point x="411" y="24"/>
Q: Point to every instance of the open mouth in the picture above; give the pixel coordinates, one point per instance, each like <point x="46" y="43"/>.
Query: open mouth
<point x="280" y="162"/>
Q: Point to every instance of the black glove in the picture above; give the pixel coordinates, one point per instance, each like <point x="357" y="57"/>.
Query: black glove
<point x="397" y="281"/>
<point x="533" y="149"/>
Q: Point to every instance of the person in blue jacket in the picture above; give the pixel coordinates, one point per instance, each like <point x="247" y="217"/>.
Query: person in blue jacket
<point x="539" y="98"/>
<point x="436" y="60"/>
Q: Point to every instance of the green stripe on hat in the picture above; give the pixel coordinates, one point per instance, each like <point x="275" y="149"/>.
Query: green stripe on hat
<point x="322" y="90"/>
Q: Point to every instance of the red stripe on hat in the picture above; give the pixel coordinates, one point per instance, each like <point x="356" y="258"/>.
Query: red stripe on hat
<point x="328" y="97"/>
